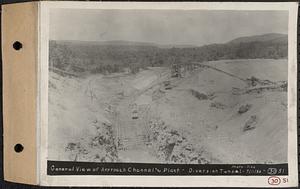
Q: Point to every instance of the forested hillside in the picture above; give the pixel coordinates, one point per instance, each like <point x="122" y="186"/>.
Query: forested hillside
<point x="115" y="56"/>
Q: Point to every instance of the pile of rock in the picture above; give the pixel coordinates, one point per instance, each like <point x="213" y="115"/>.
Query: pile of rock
<point x="98" y="148"/>
<point x="244" y="108"/>
<point x="202" y="96"/>
<point x="250" y="123"/>
<point x="217" y="105"/>
<point x="253" y="81"/>
<point x="171" y="146"/>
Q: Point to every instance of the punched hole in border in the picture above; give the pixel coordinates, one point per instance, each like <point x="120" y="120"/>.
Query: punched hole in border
<point x="19" y="148"/>
<point x="17" y="45"/>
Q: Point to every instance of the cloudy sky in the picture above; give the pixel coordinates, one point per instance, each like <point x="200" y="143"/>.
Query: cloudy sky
<point x="178" y="27"/>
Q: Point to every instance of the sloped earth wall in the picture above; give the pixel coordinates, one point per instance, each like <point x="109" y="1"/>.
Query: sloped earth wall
<point x="171" y="146"/>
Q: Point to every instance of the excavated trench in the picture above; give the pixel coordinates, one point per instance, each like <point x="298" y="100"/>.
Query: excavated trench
<point x="168" y="145"/>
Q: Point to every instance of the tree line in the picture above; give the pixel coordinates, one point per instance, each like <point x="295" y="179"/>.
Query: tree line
<point x="93" y="57"/>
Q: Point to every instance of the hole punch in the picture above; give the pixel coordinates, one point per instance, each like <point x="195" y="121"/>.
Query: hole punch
<point x="19" y="148"/>
<point x="17" y="45"/>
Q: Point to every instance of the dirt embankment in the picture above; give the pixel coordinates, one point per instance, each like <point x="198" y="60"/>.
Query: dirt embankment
<point x="79" y="123"/>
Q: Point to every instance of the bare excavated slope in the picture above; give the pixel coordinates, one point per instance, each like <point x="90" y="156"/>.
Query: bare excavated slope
<point x="208" y="116"/>
<point x="268" y="138"/>
<point x="232" y="128"/>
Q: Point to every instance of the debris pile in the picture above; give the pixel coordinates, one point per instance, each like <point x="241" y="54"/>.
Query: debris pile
<point x="244" y="108"/>
<point x="253" y="81"/>
<point x="202" y="96"/>
<point x="218" y="105"/>
<point x="250" y="123"/>
<point x="171" y="146"/>
<point x="99" y="148"/>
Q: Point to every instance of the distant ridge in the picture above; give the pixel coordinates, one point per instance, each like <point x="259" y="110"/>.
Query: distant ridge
<point x="275" y="37"/>
<point x="127" y="43"/>
<point x="113" y="42"/>
<point x="269" y="37"/>
<point x="114" y="56"/>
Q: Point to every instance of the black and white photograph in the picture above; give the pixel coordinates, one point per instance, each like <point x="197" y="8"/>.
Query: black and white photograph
<point x="168" y="94"/>
<point x="168" y="86"/>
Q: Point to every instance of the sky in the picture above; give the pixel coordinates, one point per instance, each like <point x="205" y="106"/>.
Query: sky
<point x="165" y="27"/>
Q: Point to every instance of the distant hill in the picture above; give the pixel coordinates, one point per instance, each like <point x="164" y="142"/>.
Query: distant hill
<point x="125" y="43"/>
<point x="176" y="46"/>
<point x="274" y="37"/>
<point x="114" y="56"/>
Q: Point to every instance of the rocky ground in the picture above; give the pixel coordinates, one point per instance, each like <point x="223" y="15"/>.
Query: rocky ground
<point x="232" y="111"/>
